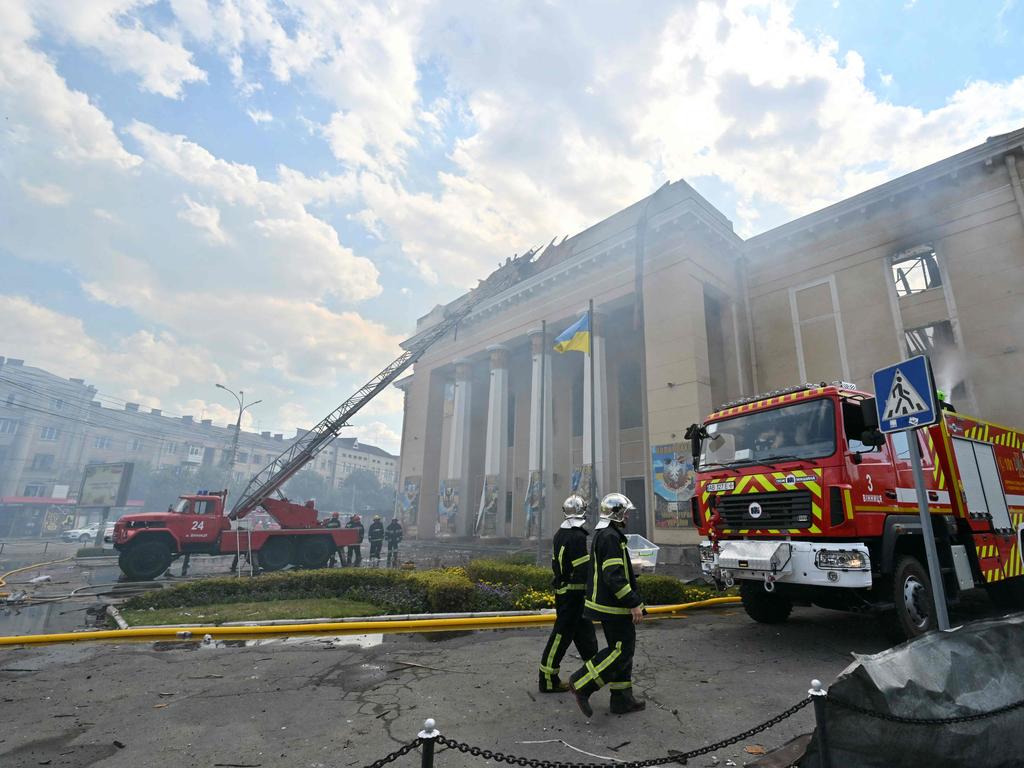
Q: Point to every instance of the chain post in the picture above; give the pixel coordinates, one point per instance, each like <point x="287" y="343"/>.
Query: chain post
<point x="427" y="737"/>
<point x="818" y="696"/>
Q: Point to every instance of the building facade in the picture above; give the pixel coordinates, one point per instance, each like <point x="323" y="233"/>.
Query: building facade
<point x="688" y="315"/>
<point x="51" y="428"/>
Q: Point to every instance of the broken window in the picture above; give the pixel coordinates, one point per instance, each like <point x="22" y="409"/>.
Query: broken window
<point x="938" y="343"/>
<point x="916" y="270"/>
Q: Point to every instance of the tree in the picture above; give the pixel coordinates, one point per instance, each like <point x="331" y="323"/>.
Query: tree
<point x="361" y="492"/>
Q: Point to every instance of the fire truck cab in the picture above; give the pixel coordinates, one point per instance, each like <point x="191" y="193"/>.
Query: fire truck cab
<point x="804" y="502"/>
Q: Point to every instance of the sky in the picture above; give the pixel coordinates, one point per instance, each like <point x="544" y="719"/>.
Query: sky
<point x="267" y="193"/>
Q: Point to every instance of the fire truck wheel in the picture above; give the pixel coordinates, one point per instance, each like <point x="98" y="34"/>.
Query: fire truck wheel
<point x="145" y="560"/>
<point x="275" y="554"/>
<point x="314" y="551"/>
<point x="764" y="607"/>
<point x="912" y="594"/>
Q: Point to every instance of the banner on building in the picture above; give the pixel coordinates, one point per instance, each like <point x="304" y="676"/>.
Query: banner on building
<point x="487" y="518"/>
<point x="534" y="502"/>
<point x="448" y="508"/>
<point x="409" y="499"/>
<point x="674" y="484"/>
<point x="581" y="481"/>
<point x="449" y="398"/>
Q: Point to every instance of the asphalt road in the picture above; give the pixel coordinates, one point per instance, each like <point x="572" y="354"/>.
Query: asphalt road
<point x="318" y="703"/>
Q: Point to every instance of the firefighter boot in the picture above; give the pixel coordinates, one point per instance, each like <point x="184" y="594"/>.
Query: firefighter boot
<point x="622" y="703"/>
<point x="554" y="686"/>
<point x="582" y="700"/>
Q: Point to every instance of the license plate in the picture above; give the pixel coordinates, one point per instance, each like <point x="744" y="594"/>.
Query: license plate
<point x="728" y="485"/>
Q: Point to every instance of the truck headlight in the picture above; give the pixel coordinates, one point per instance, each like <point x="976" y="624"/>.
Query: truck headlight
<point x="706" y="555"/>
<point x="842" y="559"/>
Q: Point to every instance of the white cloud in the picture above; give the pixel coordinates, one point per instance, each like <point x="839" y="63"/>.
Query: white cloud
<point x="47" y="194"/>
<point x="115" y="30"/>
<point x="205" y="218"/>
<point x="152" y="363"/>
<point x="38" y="104"/>
<point x="377" y="433"/>
<point x="259" y="115"/>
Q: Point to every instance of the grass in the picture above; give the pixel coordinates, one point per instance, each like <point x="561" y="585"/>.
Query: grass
<point x="309" y="608"/>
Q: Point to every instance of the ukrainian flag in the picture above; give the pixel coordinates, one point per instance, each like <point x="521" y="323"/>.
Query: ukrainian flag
<point x="575" y="338"/>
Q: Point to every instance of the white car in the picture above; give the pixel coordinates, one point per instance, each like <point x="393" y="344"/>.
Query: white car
<point x="82" y="535"/>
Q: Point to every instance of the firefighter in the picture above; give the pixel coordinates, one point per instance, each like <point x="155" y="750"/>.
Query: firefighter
<point x="612" y="599"/>
<point x="376" y="534"/>
<point x="569" y="562"/>
<point x="333" y="522"/>
<point x="393" y="535"/>
<point x="355" y="551"/>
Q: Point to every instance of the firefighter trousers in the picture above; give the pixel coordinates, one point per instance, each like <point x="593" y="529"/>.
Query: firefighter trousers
<point x="375" y="547"/>
<point x="354" y="555"/>
<point x="613" y="665"/>
<point x="570" y="628"/>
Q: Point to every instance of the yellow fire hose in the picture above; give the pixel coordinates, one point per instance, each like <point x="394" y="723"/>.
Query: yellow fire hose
<point x="3" y="578"/>
<point x="336" y="629"/>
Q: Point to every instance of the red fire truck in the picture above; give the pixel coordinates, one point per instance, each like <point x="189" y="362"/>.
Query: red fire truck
<point x="804" y="502"/>
<point x="199" y="524"/>
<point x="148" y="543"/>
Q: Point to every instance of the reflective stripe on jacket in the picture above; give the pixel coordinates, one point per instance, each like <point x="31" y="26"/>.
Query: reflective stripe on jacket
<point x="569" y="560"/>
<point x="376" y="532"/>
<point x="613" y="590"/>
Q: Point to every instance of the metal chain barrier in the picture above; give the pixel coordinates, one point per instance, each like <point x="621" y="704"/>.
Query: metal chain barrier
<point x="396" y="754"/>
<point x="681" y="757"/>
<point x="924" y="721"/>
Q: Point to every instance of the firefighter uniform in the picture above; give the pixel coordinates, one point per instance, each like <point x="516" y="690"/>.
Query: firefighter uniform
<point x="354" y="552"/>
<point x="376" y="536"/>
<point x="393" y="535"/>
<point x="569" y="563"/>
<point x="610" y="598"/>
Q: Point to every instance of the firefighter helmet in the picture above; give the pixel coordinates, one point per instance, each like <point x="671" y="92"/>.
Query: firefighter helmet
<point x="574" y="507"/>
<point x="615" y="506"/>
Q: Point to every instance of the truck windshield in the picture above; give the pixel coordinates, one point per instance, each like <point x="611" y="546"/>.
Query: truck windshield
<point x="803" y="431"/>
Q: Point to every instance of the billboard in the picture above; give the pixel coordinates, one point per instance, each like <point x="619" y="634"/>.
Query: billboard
<point x="105" y="485"/>
<point x="674" y="484"/>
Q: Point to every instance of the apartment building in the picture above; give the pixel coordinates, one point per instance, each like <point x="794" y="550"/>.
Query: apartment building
<point x="52" y="427"/>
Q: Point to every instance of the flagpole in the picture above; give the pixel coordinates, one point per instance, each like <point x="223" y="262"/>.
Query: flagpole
<point x="541" y="415"/>
<point x="593" y="407"/>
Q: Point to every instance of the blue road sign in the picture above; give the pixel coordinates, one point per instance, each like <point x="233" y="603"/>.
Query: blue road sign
<point x="905" y="395"/>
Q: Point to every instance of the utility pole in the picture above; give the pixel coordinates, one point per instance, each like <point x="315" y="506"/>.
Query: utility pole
<point x="240" y="397"/>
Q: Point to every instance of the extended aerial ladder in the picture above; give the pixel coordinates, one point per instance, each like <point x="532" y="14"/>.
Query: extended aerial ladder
<point x="269" y="480"/>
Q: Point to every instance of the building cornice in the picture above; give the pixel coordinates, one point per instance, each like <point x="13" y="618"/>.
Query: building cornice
<point x="885" y="194"/>
<point x="615" y="246"/>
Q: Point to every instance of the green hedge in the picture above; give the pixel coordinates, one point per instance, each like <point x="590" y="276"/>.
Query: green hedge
<point x="482" y="585"/>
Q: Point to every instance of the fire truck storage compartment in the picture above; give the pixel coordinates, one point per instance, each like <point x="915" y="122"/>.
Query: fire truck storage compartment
<point x="770" y="556"/>
<point x="980" y="475"/>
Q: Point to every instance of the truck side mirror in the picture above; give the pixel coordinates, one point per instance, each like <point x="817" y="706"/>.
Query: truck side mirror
<point x="695" y="433"/>
<point x="871" y="435"/>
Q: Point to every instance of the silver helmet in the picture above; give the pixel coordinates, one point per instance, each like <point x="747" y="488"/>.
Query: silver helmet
<point x="615" y="506"/>
<point x="574" y="507"/>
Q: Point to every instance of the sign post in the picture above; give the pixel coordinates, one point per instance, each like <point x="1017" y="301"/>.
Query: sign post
<point x="911" y="403"/>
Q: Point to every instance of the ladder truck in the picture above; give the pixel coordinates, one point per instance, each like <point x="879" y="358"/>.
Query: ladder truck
<point x="201" y="524"/>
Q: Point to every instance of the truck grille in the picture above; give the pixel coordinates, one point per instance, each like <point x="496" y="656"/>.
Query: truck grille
<point x="783" y="509"/>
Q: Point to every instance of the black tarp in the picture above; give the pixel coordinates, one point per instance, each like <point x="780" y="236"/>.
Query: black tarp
<point x="969" y="670"/>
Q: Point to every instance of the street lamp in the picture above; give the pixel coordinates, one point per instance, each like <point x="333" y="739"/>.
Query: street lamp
<point x="240" y="397"/>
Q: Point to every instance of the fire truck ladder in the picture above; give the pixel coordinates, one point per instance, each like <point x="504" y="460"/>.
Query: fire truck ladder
<point x="270" y="479"/>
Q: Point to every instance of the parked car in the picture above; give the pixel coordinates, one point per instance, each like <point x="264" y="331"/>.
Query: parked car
<point x="82" y="535"/>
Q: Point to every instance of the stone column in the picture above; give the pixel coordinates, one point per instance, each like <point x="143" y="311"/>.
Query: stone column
<point x="599" y="462"/>
<point x="541" y="508"/>
<point x="491" y="512"/>
<point x="453" y="501"/>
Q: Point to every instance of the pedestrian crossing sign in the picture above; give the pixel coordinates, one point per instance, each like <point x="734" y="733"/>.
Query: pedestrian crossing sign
<point x="905" y="395"/>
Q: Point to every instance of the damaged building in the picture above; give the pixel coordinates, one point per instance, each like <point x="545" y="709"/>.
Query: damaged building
<point x="688" y="315"/>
